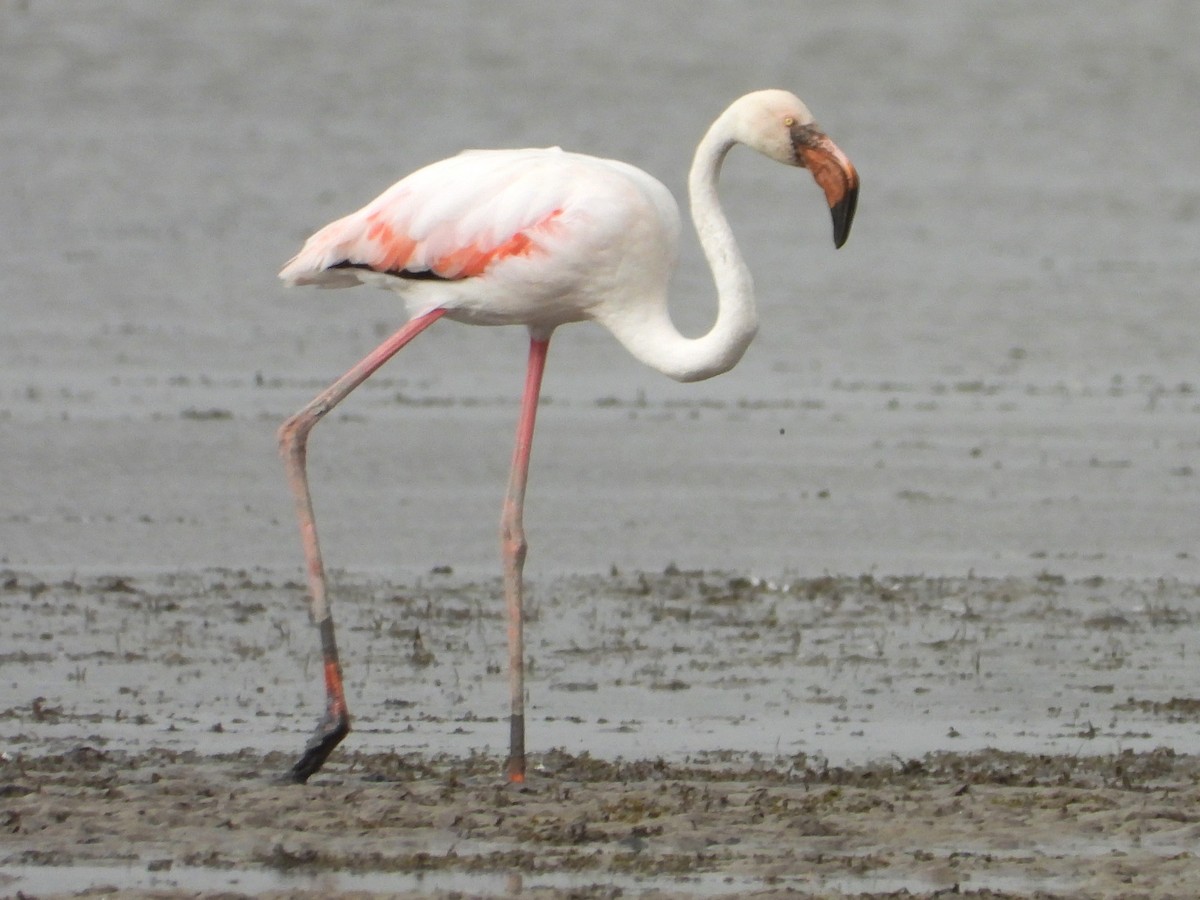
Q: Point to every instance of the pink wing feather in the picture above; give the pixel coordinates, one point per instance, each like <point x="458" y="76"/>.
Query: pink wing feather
<point x="449" y="220"/>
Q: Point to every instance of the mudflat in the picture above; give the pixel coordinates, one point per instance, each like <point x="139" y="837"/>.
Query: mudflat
<point x="693" y="734"/>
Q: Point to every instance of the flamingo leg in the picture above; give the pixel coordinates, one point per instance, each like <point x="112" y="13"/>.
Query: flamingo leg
<point x="513" y="548"/>
<point x="293" y="447"/>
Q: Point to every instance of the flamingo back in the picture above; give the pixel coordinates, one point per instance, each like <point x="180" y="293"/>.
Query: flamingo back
<point x="565" y="223"/>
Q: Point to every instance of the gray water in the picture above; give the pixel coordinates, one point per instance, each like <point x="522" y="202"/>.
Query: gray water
<point x="997" y="372"/>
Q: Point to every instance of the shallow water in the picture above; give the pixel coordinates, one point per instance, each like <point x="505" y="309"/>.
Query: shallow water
<point x="997" y="372"/>
<point x="74" y="879"/>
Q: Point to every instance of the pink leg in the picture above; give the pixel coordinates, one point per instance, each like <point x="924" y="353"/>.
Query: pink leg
<point x="293" y="447"/>
<point x="513" y="548"/>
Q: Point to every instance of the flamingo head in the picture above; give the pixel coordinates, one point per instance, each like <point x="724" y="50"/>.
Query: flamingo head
<point x="778" y="125"/>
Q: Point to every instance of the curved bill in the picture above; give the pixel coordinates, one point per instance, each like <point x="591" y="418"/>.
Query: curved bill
<point x="834" y="172"/>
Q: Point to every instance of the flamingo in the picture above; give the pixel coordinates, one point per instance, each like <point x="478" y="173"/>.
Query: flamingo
<point x="540" y="238"/>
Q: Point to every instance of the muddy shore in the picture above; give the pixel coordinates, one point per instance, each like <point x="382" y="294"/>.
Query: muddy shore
<point x="163" y="824"/>
<point x="693" y="734"/>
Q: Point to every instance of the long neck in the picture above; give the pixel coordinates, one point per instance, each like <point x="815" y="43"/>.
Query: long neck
<point x="657" y="342"/>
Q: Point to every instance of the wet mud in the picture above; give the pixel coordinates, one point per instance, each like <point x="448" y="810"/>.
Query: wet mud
<point x="767" y="745"/>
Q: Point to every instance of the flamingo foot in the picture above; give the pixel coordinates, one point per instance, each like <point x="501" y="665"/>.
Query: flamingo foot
<point x="332" y="728"/>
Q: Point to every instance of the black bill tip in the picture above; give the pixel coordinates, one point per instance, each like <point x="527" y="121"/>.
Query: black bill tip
<point x="843" y="215"/>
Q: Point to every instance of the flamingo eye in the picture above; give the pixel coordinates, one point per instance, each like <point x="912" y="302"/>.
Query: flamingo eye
<point x="789" y="121"/>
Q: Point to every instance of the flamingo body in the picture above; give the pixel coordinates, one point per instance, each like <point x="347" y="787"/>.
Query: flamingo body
<point x="536" y="237"/>
<point x="540" y="238"/>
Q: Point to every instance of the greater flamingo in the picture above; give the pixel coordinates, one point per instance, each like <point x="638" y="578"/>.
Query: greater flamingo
<point x="540" y="238"/>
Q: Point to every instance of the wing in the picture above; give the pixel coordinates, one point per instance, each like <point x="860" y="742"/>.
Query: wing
<point x="450" y="220"/>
